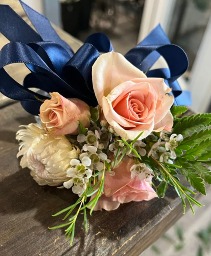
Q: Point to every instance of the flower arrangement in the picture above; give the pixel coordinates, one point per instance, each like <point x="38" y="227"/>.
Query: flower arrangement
<point x="131" y="145"/>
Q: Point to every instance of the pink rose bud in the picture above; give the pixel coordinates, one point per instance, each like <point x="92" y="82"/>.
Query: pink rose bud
<point x="61" y="116"/>
<point x="122" y="188"/>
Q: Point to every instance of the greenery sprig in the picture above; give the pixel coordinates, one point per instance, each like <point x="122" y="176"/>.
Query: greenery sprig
<point x="81" y="206"/>
<point x="193" y="158"/>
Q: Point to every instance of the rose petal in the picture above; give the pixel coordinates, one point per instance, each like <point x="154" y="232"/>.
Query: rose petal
<point x="110" y="70"/>
<point x="136" y="190"/>
<point x="119" y="124"/>
<point x="165" y="124"/>
<point x="106" y="203"/>
<point x="120" y="179"/>
<point x="165" y="100"/>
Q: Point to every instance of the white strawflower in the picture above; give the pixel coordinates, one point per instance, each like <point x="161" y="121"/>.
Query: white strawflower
<point x="48" y="157"/>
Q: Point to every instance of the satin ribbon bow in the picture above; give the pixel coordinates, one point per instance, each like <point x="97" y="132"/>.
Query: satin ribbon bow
<point x="56" y="68"/>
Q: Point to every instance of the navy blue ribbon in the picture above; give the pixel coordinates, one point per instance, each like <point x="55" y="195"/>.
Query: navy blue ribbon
<point x="54" y="66"/>
<point x="147" y="52"/>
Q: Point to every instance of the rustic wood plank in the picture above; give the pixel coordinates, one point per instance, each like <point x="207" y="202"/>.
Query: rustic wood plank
<point x="26" y="209"/>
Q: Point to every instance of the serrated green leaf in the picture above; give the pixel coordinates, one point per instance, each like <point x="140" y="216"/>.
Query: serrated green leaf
<point x="196" y="174"/>
<point x="205" y="157"/>
<point x="203" y="171"/>
<point x="178" y="110"/>
<point x="198" y="151"/>
<point x="183" y="192"/>
<point x="197" y="182"/>
<point x="193" y="140"/>
<point x="190" y="124"/>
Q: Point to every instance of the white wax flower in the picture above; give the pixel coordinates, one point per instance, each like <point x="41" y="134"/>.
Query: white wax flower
<point x="141" y="171"/>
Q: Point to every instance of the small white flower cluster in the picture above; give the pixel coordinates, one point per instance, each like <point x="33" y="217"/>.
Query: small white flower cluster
<point x="91" y="159"/>
<point x="141" y="171"/>
<point x="79" y="174"/>
<point x="119" y="145"/>
<point x="139" y="146"/>
<point x="164" y="148"/>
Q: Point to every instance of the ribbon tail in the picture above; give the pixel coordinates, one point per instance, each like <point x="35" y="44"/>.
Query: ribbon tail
<point x="11" y="24"/>
<point x="44" y="27"/>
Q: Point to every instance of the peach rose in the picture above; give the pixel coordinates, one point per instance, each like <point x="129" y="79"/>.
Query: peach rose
<point x="121" y="188"/>
<point x="131" y="102"/>
<point x="61" y="116"/>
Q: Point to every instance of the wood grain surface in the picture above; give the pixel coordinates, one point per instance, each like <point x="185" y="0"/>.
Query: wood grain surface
<point x="26" y="210"/>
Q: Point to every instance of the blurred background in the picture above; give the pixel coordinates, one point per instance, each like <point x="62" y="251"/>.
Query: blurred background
<point x="127" y="22"/>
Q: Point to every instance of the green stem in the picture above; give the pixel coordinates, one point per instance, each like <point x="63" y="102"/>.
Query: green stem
<point x="179" y="187"/>
<point x="132" y="149"/>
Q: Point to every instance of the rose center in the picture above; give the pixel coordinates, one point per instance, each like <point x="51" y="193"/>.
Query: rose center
<point x="53" y="116"/>
<point x="137" y="108"/>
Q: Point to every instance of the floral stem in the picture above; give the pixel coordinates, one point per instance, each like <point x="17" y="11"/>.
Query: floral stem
<point x="179" y="188"/>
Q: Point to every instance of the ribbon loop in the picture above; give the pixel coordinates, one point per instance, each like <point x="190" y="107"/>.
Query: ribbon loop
<point x="82" y="61"/>
<point x="100" y="41"/>
<point x="54" y="55"/>
<point x="147" y="52"/>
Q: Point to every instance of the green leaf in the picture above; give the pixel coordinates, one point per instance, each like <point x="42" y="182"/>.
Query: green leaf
<point x="193" y="141"/>
<point x="95" y="113"/>
<point x="86" y="225"/>
<point x="178" y="110"/>
<point x="204" y="236"/>
<point x="71" y="234"/>
<point x="197" y="182"/>
<point x="183" y="192"/>
<point x="198" y="151"/>
<point x="107" y="165"/>
<point x="92" y="192"/>
<point x="190" y="124"/>
<point x="200" y="251"/>
<point x="82" y="129"/>
<point x="136" y="138"/>
<point x="130" y="146"/>
<point x="206" y="157"/>
<point x="161" y="189"/>
<point x="180" y="233"/>
<point x="59" y="226"/>
<point x="92" y="203"/>
<point x="179" y="247"/>
<point x="194" y="175"/>
<point x="155" y="249"/>
<point x="203" y="171"/>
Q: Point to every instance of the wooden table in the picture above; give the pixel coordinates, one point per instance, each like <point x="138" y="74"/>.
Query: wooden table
<point x="26" y="208"/>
